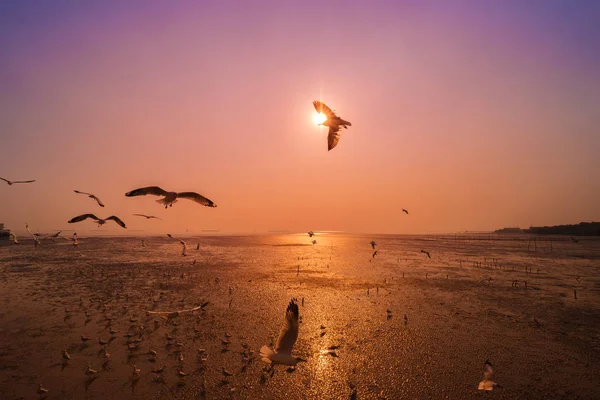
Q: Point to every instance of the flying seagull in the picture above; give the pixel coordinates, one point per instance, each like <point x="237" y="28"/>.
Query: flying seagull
<point x="405" y="211"/>
<point x="12" y="182"/>
<point x="14" y="238"/>
<point x="372" y="242"/>
<point x="314" y="242"/>
<point x="36" y="241"/>
<point x="287" y="339"/>
<point x="91" y="196"/>
<point x="100" y="222"/>
<point x="181" y="242"/>
<point x="487" y="383"/>
<point x="311" y="233"/>
<point x="374" y="253"/>
<point x="169" y="198"/>
<point x="426" y="252"/>
<point x="146" y="216"/>
<point x="333" y="122"/>
<point x="73" y="239"/>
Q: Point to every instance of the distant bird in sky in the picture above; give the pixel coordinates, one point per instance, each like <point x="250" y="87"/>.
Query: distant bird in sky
<point x="13" y="182"/>
<point x="374" y="253"/>
<point x="91" y="196"/>
<point x="169" y="198"/>
<point x="333" y="122"/>
<point x="311" y="233"/>
<point x="488" y="372"/>
<point x="426" y="252"/>
<point x="181" y="242"/>
<point x="372" y="242"/>
<point x="287" y="339"/>
<point x="405" y="211"/>
<point x="100" y="221"/>
<point x="36" y="241"/>
<point x="146" y="216"/>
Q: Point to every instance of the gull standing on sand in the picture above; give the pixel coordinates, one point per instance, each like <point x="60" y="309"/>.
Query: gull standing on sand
<point x="169" y="198"/>
<point x="333" y="122"/>
<point x="10" y="183"/>
<point x="287" y="339"/>
<point x="91" y="196"/>
<point x="100" y="221"/>
<point x="181" y="242"/>
<point x="146" y="216"/>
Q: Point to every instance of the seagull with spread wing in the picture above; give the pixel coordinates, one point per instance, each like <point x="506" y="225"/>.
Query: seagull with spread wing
<point x="311" y="233"/>
<point x="100" y="221"/>
<point x="146" y="216"/>
<point x="181" y="242"/>
<point x="10" y="183"/>
<point x="169" y="198"/>
<point x="333" y="122"/>
<point x="91" y="196"/>
<point x="36" y="241"/>
<point x="287" y="339"/>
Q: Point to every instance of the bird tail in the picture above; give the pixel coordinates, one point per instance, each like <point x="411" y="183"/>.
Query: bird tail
<point x="266" y="354"/>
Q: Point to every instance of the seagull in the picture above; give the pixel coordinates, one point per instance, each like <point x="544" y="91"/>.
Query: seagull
<point x="181" y="242"/>
<point x="574" y="239"/>
<point x="36" y="240"/>
<point x="14" y="238"/>
<point x="41" y="390"/>
<point x="169" y="198"/>
<point x="486" y="383"/>
<point x="311" y="233"/>
<point x="98" y="220"/>
<point x="314" y="242"/>
<point x="405" y="211"/>
<point x="426" y="252"/>
<point x="91" y="196"/>
<point x="146" y="216"/>
<point x="287" y="339"/>
<point x="10" y="183"/>
<point x="374" y="253"/>
<point x="333" y="122"/>
<point x="372" y="242"/>
<point x="73" y="239"/>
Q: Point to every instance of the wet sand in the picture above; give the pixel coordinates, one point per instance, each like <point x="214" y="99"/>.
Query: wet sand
<point x="543" y="343"/>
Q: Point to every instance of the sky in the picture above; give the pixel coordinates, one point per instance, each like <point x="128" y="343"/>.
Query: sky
<point x="472" y="115"/>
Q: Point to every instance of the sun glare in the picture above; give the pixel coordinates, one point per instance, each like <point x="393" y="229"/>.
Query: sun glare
<point x="318" y="118"/>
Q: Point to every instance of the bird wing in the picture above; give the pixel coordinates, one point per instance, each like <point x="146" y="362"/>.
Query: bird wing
<point x="141" y="215"/>
<point x="333" y="137"/>
<point x="289" y="331"/>
<point x="488" y="371"/>
<point x="181" y="242"/>
<point x="24" y="181"/>
<point x="98" y="200"/>
<point x="406" y="211"/>
<point x="323" y="109"/>
<point x="79" y="192"/>
<point x="117" y="220"/>
<point x="5" y="180"/>
<point x="83" y="217"/>
<point x="197" y="198"/>
<point x="153" y="190"/>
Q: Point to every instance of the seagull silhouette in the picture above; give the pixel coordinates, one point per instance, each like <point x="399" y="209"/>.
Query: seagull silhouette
<point x="333" y="122"/>
<point x="426" y="252"/>
<point x="10" y="183"/>
<point x="146" y="216"/>
<point x="169" y="198"/>
<point x="91" y="196"/>
<point x="372" y="242"/>
<point x="100" y="221"/>
<point x="405" y="210"/>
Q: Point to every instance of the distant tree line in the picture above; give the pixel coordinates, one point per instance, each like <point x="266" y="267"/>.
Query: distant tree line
<point x="581" y="229"/>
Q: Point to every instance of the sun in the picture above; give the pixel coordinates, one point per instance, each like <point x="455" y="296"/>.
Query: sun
<point x="318" y="118"/>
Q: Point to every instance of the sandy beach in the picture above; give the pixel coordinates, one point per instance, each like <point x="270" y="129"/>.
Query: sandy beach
<point x="462" y="307"/>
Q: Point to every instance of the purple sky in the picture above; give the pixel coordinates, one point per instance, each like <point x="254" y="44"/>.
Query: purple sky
<point x="473" y="115"/>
